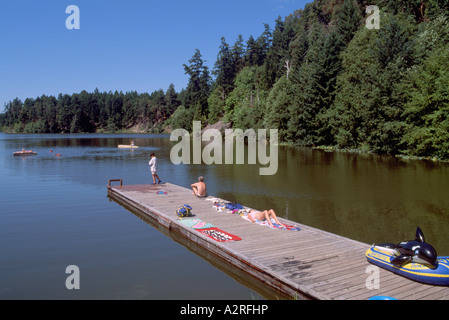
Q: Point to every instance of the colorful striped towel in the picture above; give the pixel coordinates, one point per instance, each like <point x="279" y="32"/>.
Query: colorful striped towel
<point x="209" y="230"/>
<point x="275" y="225"/>
<point x="219" y="235"/>
<point x="196" y="223"/>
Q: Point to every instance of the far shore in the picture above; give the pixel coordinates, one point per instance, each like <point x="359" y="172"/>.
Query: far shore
<point x="222" y="127"/>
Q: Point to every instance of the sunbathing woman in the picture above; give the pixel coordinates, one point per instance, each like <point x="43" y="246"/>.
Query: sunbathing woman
<point x="254" y="215"/>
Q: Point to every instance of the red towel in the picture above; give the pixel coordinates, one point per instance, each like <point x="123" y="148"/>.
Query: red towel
<point x="219" y="235"/>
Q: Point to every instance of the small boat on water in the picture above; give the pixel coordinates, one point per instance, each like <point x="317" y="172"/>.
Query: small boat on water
<point x="127" y="146"/>
<point x="25" y="153"/>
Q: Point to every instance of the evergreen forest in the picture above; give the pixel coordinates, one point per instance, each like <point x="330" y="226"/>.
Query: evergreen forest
<point x="320" y="76"/>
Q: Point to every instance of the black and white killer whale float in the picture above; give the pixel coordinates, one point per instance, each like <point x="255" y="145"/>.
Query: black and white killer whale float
<point x="414" y="259"/>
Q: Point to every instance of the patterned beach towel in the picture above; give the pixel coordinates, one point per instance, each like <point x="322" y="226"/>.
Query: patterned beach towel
<point x="275" y="225"/>
<point x="196" y="223"/>
<point x="219" y="235"/>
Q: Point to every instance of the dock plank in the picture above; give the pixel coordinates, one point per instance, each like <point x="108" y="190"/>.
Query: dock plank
<point x="306" y="264"/>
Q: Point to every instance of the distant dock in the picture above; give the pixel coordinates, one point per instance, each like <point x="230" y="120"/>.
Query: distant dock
<point x="306" y="264"/>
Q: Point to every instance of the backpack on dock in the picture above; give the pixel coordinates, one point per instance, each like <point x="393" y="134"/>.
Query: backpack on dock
<point x="184" y="211"/>
<point x="234" y="206"/>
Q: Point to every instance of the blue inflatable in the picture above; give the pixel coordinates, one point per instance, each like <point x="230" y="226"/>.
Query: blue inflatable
<point x="415" y="259"/>
<point x="382" y="298"/>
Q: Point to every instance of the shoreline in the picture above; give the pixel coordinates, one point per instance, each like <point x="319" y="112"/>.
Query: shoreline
<point x="360" y="151"/>
<point x="223" y="126"/>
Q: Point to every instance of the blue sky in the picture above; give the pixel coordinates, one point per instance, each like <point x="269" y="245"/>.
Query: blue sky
<point x="121" y="45"/>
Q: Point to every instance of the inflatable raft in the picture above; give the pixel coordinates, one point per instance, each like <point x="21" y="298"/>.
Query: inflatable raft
<point x="25" y="153"/>
<point x="127" y="146"/>
<point x="437" y="274"/>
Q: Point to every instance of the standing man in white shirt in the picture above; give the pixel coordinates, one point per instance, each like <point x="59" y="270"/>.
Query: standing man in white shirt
<point x="153" y="168"/>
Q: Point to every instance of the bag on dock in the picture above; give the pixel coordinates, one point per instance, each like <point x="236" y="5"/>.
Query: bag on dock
<point x="234" y="206"/>
<point x="184" y="211"/>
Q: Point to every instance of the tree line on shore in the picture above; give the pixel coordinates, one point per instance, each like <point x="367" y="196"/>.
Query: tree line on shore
<point x="91" y="112"/>
<point x="320" y="76"/>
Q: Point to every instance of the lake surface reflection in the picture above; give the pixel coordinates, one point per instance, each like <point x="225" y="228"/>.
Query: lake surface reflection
<point x="55" y="213"/>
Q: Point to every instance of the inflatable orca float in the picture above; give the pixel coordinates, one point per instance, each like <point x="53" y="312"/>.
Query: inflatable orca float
<point x="413" y="251"/>
<point x="414" y="259"/>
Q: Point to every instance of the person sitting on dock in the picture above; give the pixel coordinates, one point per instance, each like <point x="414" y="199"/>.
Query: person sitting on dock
<point x="199" y="188"/>
<point x="254" y="216"/>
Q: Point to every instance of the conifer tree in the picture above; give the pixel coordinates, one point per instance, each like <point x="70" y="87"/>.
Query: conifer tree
<point x="252" y="52"/>
<point x="277" y="107"/>
<point x="279" y="51"/>
<point x="225" y="69"/>
<point x="238" y="54"/>
<point x="369" y="103"/>
<point x="307" y="89"/>
<point x="348" y="19"/>
<point x="426" y="110"/>
<point x="276" y="53"/>
<point x="198" y="87"/>
<point x="172" y="100"/>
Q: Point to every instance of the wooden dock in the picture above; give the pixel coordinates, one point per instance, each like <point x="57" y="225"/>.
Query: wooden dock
<point x="306" y="264"/>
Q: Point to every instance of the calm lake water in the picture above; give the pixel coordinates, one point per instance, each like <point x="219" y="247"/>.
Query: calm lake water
<point x="55" y="213"/>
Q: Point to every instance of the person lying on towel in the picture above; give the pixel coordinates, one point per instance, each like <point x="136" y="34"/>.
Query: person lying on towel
<point x="254" y="216"/>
